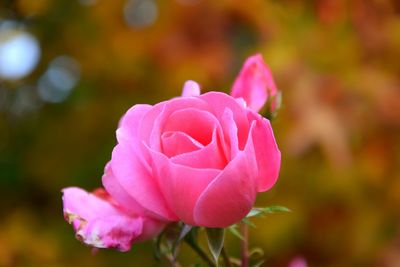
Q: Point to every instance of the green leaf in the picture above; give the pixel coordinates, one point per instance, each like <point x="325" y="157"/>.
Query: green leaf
<point x="276" y="208"/>
<point x="254" y="213"/>
<point x="258" y="212"/>
<point x="215" y="238"/>
<point x="235" y="232"/>
<point x="249" y="223"/>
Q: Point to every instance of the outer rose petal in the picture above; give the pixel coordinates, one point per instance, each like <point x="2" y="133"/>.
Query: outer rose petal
<point x="130" y="164"/>
<point x="181" y="185"/>
<point x="267" y="152"/>
<point x="117" y="192"/>
<point x="151" y="227"/>
<point x="232" y="194"/>
<point x="138" y="181"/>
<point x="98" y="221"/>
<point x="132" y="119"/>
<point x="254" y="83"/>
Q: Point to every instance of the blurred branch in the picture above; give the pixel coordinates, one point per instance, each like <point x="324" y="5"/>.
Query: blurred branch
<point x="244" y="243"/>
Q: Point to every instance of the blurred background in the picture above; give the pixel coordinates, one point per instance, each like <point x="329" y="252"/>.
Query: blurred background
<point x="70" y="68"/>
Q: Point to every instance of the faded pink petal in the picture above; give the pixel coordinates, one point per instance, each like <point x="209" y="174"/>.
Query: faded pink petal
<point x="254" y="83"/>
<point x="98" y="221"/>
<point x="191" y="88"/>
<point x="232" y="194"/>
<point x="267" y="152"/>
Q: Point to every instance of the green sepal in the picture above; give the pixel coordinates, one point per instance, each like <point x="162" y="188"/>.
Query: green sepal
<point x="215" y="240"/>
<point x="276" y="100"/>
<point x="235" y="232"/>
<point x="184" y="231"/>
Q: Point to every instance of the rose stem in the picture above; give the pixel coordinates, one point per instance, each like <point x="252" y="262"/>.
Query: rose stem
<point x="244" y="244"/>
<point x="226" y="257"/>
<point x="201" y="253"/>
<point x="172" y="261"/>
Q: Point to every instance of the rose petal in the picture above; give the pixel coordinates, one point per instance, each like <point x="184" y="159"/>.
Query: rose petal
<point x="131" y="120"/>
<point x="138" y="181"/>
<point x="114" y="188"/>
<point x="218" y="102"/>
<point x="151" y="229"/>
<point x="231" y="195"/>
<point x="254" y="83"/>
<point x="181" y="185"/>
<point x="176" y="143"/>
<point x="153" y="122"/>
<point x="130" y="164"/>
<point x="230" y="133"/>
<point x="198" y="124"/>
<point x="191" y="88"/>
<point x="98" y="222"/>
<point x="211" y="156"/>
<point x="127" y="133"/>
<point x="267" y="152"/>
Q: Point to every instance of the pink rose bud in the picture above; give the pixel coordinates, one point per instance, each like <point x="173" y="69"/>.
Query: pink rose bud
<point x="255" y="84"/>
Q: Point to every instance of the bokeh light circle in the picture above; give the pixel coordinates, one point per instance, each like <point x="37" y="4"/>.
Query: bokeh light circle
<point x="19" y="53"/>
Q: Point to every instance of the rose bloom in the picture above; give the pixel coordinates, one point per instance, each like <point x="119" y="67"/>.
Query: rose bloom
<point x="198" y="158"/>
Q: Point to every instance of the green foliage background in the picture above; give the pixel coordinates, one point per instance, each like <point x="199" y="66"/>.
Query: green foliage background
<point x="335" y="61"/>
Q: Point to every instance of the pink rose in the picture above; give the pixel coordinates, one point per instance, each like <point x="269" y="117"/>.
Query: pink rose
<point x="200" y="159"/>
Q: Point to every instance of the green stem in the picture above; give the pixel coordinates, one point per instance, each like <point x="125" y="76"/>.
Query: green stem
<point x="172" y="261"/>
<point x="244" y="230"/>
<point x="201" y="253"/>
<point x="226" y="258"/>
